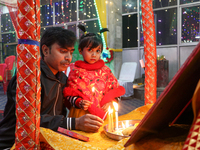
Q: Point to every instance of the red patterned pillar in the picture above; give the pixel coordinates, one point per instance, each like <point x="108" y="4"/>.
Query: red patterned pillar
<point x="149" y="51"/>
<point x="28" y="75"/>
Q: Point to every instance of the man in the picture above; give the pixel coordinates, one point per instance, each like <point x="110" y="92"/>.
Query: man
<point x="56" y="48"/>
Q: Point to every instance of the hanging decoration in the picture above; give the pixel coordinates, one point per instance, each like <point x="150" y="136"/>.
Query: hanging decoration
<point x="108" y="57"/>
<point x="28" y="75"/>
<point x="149" y="51"/>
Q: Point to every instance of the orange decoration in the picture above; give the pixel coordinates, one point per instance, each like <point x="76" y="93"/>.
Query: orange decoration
<point x="149" y="51"/>
<point x="28" y="75"/>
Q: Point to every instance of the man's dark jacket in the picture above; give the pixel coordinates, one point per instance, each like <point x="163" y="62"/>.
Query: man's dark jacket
<point x="52" y="109"/>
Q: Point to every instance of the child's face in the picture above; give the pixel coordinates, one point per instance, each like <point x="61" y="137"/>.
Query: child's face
<point x="91" y="55"/>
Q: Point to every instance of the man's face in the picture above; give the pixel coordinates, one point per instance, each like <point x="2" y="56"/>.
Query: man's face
<point x="57" y="58"/>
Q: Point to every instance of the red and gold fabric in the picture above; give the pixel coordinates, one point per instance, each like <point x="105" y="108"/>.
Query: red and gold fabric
<point x="149" y="51"/>
<point x="193" y="138"/>
<point x="97" y="141"/>
<point x="84" y="77"/>
<point x="28" y="75"/>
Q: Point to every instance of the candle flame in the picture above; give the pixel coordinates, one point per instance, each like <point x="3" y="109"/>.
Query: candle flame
<point x="125" y="124"/>
<point x="115" y="106"/>
<point x="93" y="89"/>
<point x="109" y="110"/>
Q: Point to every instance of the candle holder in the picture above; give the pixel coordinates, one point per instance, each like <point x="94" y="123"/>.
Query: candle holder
<point x="116" y="135"/>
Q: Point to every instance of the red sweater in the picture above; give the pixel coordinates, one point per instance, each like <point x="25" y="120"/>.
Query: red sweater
<point x="83" y="77"/>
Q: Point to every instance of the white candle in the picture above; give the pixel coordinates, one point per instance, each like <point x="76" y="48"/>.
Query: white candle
<point x="109" y="119"/>
<point x="116" y="115"/>
<point x="112" y="124"/>
<point x="104" y="117"/>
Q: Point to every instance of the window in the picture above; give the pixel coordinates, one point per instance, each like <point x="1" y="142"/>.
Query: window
<point x="46" y="16"/>
<point x="6" y="23"/>
<point x="87" y="9"/>
<point x="130" y="30"/>
<point x="164" y="3"/>
<point x="129" y="6"/>
<point x="166" y="26"/>
<point x="188" y="1"/>
<point x="65" y="11"/>
<point x="190" y="24"/>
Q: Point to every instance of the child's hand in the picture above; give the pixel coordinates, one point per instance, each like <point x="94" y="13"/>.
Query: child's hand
<point x="84" y="104"/>
<point x="105" y="106"/>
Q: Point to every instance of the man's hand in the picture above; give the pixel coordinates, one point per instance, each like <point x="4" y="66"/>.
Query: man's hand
<point x="88" y="123"/>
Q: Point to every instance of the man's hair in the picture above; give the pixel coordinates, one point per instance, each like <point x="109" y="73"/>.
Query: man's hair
<point x="63" y="37"/>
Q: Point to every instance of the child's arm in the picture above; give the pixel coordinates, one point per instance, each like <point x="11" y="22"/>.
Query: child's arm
<point x="72" y="100"/>
<point x="78" y="102"/>
<point x="84" y="104"/>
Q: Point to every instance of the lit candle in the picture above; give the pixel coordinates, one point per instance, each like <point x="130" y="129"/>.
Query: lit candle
<point x="109" y="119"/>
<point x="104" y="117"/>
<point x="111" y="116"/>
<point x="116" y="114"/>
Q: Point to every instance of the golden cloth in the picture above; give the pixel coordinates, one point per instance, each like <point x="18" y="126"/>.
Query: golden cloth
<point x="98" y="141"/>
<point x="167" y="139"/>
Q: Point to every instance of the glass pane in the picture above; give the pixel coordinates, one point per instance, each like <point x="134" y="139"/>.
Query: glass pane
<point x="42" y="31"/>
<point x="46" y="2"/>
<point x="87" y="9"/>
<point x="129" y="6"/>
<point x="46" y="17"/>
<point x="164" y="3"/>
<point x="8" y="38"/>
<point x="6" y="23"/>
<point x="65" y="11"/>
<point x="190" y="24"/>
<point x="9" y="50"/>
<point x="91" y="26"/>
<point x="130" y="29"/>
<point x="188" y="1"/>
<point x="166" y="26"/>
<point x="141" y="31"/>
<point x="72" y="28"/>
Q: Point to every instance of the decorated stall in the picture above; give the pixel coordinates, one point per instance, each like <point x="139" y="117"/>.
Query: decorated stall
<point x="28" y="133"/>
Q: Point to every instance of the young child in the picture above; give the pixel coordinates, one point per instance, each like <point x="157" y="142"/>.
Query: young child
<point x="91" y="86"/>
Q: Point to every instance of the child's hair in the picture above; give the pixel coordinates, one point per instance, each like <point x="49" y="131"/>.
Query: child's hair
<point x="91" y="40"/>
<point x="63" y="37"/>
